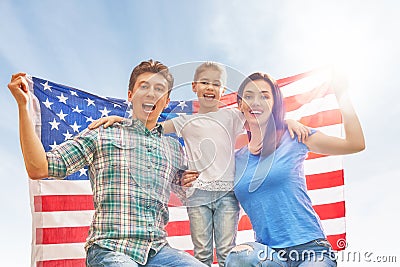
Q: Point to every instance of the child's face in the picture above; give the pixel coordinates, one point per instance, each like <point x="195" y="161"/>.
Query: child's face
<point x="209" y="88"/>
<point x="149" y="97"/>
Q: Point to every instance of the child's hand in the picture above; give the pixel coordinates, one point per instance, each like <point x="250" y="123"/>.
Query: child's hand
<point x="106" y="121"/>
<point x="299" y="129"/>
<point x="188" y="177"/>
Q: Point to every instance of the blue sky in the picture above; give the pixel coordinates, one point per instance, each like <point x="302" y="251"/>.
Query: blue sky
<point x="93" y="45"/>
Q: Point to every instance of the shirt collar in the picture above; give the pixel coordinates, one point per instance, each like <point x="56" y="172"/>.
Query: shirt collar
<point x="140" y="127"/>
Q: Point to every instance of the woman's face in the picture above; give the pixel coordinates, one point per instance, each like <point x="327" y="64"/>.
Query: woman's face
<point x="257" y="102"/>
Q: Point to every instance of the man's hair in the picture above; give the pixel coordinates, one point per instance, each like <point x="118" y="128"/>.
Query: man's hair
<point x="211" y="65"/>
<point x="153" y="67"/>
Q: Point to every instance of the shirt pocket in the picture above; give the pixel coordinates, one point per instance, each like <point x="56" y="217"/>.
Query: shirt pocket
<point x="116" y="153"/>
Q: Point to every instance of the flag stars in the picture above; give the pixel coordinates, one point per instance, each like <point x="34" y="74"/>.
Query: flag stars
<point x="117" y="106"/>
<point x="62" y="115"/>
<point x="182" y="104"/>
<point x="130" y="113"/>
<point x="46" y="86"/>
<point x="104" y="112"/>
<point x="67" y="135"/>
<point x="82" y="171"/>
<point x="75" y="127"/>
<point x="62" y="98"/>
<point x="76" y="109"/>
<point x="90" y="102"/>
<point x="54" y="145"/>
<point x="73" y="93"/>
<point x="89" y="119"/>
<point x="47" y="103"/>
<point x="54" y="124"/>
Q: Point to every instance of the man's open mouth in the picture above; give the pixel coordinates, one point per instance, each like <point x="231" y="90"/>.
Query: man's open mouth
<point x="148" y="107"/>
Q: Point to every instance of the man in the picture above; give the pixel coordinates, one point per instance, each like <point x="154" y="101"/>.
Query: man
<point x="132" y="169"/>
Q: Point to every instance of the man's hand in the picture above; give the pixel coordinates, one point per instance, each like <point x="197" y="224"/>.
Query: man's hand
<point x="19" y="88"/>
<point x="188" y="177"/>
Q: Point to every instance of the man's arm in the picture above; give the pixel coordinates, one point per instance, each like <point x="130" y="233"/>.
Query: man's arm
<point x="32" y="149"/>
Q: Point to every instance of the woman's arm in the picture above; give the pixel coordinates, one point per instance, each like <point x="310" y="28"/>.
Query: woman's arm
<point x="354" y="138"/>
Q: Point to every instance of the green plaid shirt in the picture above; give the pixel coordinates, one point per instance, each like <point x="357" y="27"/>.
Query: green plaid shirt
<point x="132" y="171"/>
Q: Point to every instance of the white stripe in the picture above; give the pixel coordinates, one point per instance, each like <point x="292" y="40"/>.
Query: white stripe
<point x="245" y="236"/>
<point x="59" y="251"/>
<point x="334" y="226"/>
<point x="62" y="218"/>
<point x="326" y="195"/>
<point x="60" y="187"/>
<point x="333" y="130"/>
<point x="325" y="103"/>
<point x="178" y="214"/>
<point x="322" y="165"/>
<point x="183" y="242"/>
<point x="305" y="84"/>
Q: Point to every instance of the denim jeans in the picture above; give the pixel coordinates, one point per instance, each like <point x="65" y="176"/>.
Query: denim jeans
<point x="213" y="215"/>
<point x="167" y="256"/>
<point x="315" y="253"/>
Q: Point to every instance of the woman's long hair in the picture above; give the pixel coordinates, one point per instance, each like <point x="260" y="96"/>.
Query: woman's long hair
<point x="276" y="125"/>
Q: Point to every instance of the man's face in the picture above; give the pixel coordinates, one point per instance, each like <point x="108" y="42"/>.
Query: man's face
<point x="149" y="97"/>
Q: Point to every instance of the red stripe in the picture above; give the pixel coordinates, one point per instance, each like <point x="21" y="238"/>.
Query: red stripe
<point x="338" y="242"/>
<point x="323" y="118"/>
<point x="331" y="210"/>
<point x="178" y="228"/>
<point x="288" y="80"/>
<point x="325" y="180"/>
<point x="174" y="201"/>
<point x="63" y="203"/>
<point x="244" y="223"/>
<point x="61" y="235"/>
<point x="296" y="101"/>
<point x="312" y="155"/>
<point x="62" y="263"/>
<point x="229" y="99"/>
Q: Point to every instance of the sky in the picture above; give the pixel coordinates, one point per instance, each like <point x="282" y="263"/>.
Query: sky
<point x="93" y="45"/>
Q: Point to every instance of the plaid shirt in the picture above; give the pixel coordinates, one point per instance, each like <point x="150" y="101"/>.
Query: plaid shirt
<point x="132" y="171"/>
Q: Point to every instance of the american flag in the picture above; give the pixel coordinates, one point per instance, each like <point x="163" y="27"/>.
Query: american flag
<point x="62" y="210"/>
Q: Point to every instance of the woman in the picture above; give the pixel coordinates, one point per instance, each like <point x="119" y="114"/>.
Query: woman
<point x="270" y="181"/>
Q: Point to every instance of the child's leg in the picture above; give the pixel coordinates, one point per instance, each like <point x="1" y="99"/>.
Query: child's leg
<point x="226" y="217"/>
<point x="201" y="226"/>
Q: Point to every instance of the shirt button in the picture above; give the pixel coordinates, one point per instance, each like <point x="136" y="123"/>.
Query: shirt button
<point x="149" y="240"/>
<point x="148" y="207"/>
<point x="149" y="150"/>
<point x="149" y="225"/>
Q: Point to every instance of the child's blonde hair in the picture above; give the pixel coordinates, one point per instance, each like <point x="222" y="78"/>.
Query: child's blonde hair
<point x="211" y="65"/>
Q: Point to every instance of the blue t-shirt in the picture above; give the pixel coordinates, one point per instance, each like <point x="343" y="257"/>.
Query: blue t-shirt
<point x="272" y="191"/>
